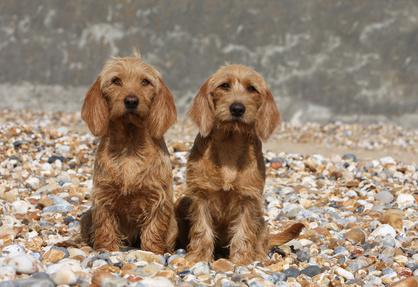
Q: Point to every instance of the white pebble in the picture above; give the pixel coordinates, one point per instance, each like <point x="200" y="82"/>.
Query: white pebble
<point x="46" y="167"/>
<point x="7" y="273"/>
<point x="200" y="268"/>
<point x="344" y="273"/>
<point x="405" y="200"/>
<point x="20" y="206"/>
<point x="64" y="276"/>
<point x="156" y="282"/>
<point x="387" y="160"/>
<point x="13" y="250"/>
<point x="67" y="263"/>
<point x="33" y="182"/>
<point x="24" y="263"/>
<point x="383" y="231"/>
<point x="384" y="196"/>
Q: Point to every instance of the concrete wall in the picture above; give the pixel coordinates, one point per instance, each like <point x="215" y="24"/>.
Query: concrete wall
<point x="323" y="59"/>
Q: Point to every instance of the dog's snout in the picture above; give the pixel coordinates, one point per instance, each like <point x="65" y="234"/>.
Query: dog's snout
<point x="131" y="102"/>
<point x="237" y="109"/>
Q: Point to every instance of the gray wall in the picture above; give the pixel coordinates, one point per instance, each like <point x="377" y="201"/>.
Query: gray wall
<point x="323" y="59"/>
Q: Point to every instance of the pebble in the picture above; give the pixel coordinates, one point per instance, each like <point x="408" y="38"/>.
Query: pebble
<point x="356" y="235"/>
<point x="30" y="282"/>
<point x="394" y="218"/>
<point x="55" y="254"/>
<point x="344" y="273"/>
<point x="360" y="214"/>
<point x="64" y="276"/>
<point x="7" y="272"/>
<point x="20" y="206"/>
<point x="222" y="265"/>
<point x="200" y="268"/>
<point x="384" y="196"/>
<point x="408" y="282"/>
<point x="384" y="230"/>
<point x="33" y="182"/>
<point x="155" y="282"/>
<point x="405" y="200"/>
<point x="54" y="158"/>
<point x="13" y="250"/>
<point x="311" y="271"/>
<point x="24" y="263"/>
<point x="292" y="272"/>
<point x="350" y="156"/>
<point x="58" y="208"/>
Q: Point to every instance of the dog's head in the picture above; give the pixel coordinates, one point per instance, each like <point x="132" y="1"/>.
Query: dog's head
<point x="129" y="90"/>
<point x="235" y="98"/>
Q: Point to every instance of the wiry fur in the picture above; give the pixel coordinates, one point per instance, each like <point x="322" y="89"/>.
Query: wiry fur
<point x="132" y="194"/>
<point x="222" y="210"/>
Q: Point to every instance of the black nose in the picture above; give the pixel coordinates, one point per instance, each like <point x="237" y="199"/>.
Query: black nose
<point x="131" y="102"/>
<point x="237" y="109"/>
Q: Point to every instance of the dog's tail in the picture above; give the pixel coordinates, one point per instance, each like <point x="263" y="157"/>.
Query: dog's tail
<point x="288" y="234"/>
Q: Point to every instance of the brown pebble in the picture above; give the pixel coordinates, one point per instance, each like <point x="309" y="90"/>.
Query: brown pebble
<point x="222" y="265"/>
<point x="408" y="282"/>
<point x="356" y="235"/>
<point x="393" y="217"/>
<point x="169" y="274"/>
<point x="276" y="165"/>
<point x="53" y="256"/>
<point x="99" y="277"/>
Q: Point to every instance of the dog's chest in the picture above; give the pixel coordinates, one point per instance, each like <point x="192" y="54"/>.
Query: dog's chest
<point x="129" y="172"/>
<point x="229" y="175"/>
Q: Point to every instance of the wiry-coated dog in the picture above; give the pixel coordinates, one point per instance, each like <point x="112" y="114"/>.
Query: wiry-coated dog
<point x="222" y="209"/>
<point x="130" y="108"/>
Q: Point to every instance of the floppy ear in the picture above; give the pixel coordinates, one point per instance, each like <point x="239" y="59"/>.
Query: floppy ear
<point x="268" y="117"/>
<point x="95" y="111"/>
<point x="162" y="113"/>
<point x="201" y="111"/>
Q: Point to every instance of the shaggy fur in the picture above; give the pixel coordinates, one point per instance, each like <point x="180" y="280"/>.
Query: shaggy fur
<point x="222" y="210"/>
<point x="132" y="194"/>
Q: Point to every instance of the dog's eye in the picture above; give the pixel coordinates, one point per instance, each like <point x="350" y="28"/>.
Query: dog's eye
<point x="252" y="89"/>
<point x="145" y="82"/>
<point x="225" y="86"/>
<point x="116" y="81"/>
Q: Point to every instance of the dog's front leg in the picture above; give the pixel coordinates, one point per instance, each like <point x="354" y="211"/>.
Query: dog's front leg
<point x="159" y="232"/>
<point x="105" y="225"/>
<point x="247" y="235"/>
<point x="201" y="235"/>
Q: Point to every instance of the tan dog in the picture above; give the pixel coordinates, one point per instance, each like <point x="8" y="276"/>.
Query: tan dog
<point x="130" y="108"/>
<point x="222" y="210"/>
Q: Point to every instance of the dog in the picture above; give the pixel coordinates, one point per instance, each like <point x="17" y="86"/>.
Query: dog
<point x="130" y="108"/>
<point x="221" y="212"/>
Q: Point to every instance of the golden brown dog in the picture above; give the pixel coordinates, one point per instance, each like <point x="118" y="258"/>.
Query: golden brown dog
<point x="222" y="210"/>
<point x="130" y="108"/>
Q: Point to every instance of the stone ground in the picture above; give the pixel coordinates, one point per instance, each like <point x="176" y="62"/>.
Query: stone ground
<point x="355" y="187"/>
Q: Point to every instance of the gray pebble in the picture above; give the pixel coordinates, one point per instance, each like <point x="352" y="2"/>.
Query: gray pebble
<point x="53" y="158"/>
<point x="60" y="208"/>
<point x="30" y="282"/>
<point x="350" y="156"/>
<point x="384" y="196"/>
<point x="312" y="270"/>
<point x="181" y="252"/>
<point x="292" y="272"/>
<point x="303" y="255"/>
<point x="279" y="277"/>
<point x="341" y="250"/>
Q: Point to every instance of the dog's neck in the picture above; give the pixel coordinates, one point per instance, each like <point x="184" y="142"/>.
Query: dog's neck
<point x="232" y="147"/>
<point x="127" y="137"/>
